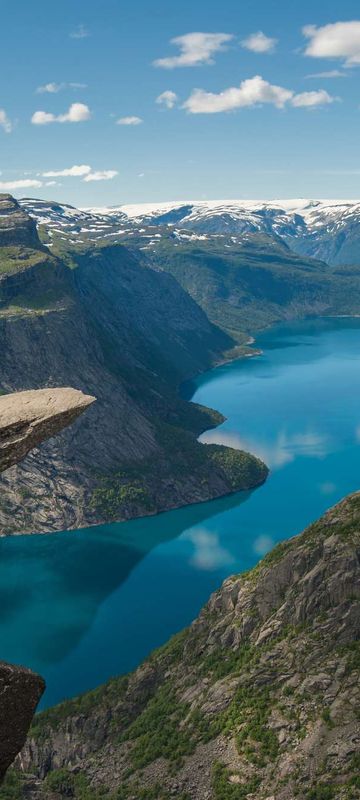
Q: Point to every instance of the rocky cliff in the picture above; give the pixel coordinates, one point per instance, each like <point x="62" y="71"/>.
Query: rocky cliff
<point x="258" y="699"/>
<point x="16" y="227"/>
<point x="107" y="324"/>
<point x="26" y="420"/>
<point x="20" y="692"/>
<point x="29" y="418"/>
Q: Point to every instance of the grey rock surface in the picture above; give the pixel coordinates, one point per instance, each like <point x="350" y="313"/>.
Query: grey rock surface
<point x="27" y="418"/>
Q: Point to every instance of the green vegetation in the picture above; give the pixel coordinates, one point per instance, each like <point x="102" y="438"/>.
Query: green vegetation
<point x="225" y="790"/>
<point x="11" y="788"/>
<point x="243" y="471"/>
<point x="72" y="784"/>
<point x="14" y="258"/>
<point x="107" y="695"/>
<point x="221" y="663"/>
<point x="322" y="791"/>
<point x="136" y="792"/>
<point x="112" y="498"/>
<point x="156" y="731"/>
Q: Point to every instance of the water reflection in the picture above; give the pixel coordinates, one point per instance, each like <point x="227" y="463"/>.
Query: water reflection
<point x="283" y="449"/>
<point x="84" y="605"/>
<point x="52" y="586"/>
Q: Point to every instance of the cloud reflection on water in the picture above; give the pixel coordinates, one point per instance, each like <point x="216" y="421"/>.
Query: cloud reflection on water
<point x="208" y="552"/>
<point x="282" y="450"/>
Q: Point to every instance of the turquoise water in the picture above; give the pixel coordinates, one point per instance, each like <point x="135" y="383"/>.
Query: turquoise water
<point x="82" y="606"/>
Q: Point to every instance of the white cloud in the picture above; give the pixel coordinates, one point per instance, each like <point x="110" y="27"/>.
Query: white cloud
<point x="53" y="88"/>
<point x="195" y="49"/>
<point x="52" y="183"/>
<point x="43" y="118"/>
<point x="81" y="32"/>
<point x="253" y="92"/>
<point x="331" y="73"/>
<point x="167" y="99"/>
<point x="78" y="112"/>
<point x="312" y="99"/>
<point x="337" y="40"/>
<point x="104" y="175"/>
<point x="259" y="43"/>
<point x="22" y="184"/>
<point x="76" y="171"/>
<point x="129" y="121"/>
<point x="5" y="122"/>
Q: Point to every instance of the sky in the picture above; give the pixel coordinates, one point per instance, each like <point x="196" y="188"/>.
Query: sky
<point x="111" y="102"/>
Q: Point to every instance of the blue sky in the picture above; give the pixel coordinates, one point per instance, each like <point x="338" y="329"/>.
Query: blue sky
<point x="80" y="81"/>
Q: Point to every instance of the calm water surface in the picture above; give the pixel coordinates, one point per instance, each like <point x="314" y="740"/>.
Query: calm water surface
<point x="82" y="606"/>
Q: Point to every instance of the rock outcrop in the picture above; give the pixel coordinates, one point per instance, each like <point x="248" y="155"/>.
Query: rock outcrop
<point x="27" y="418"/>
<point x="20" y="692"/>
<point x="16" y="227"/>
<point x="258" y="699"/>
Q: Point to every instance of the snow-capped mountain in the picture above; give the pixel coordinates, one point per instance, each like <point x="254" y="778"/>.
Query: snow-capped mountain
<point x="324" y="229"/>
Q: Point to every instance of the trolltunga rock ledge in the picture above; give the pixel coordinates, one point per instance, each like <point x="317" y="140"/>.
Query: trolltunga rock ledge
<point x="20" y="692"/>
<point x="28" y="418"/>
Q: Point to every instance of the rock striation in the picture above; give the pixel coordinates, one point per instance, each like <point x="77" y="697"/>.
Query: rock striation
<point x="258" y="699"/>
<point x="27" y="418"/>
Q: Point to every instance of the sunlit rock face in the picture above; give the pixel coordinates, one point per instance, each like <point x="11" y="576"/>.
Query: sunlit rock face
<point x="27" y="418"/>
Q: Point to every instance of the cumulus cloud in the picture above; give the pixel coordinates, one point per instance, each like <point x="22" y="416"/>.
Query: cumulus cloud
<point x="129" y="121"/>
<point x="259" y="43"/>
<point x="5" y="122"/>
<point x="54" y="88"/>
<point x="77" y="112"/>
<point x="104" y="175"/>
<point x="195" y="49"/>
<point x="80" y="32"/>
<point x="167" y="99"/>
<point x="252" y="92"/>
<point x="22" y="184"/>
<point x="75" y="171"/>
<point x="312" y="99"/>
<point x="336" y="40"/>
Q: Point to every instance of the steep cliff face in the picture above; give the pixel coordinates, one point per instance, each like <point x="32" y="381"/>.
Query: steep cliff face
<point x="116" y="329"/>
<point x="26" y="420"/>
<point x="20" y="692"/>
<point x="258" y="699"/>
<point x="29" y="418"/>
<point x="16" y="227"/>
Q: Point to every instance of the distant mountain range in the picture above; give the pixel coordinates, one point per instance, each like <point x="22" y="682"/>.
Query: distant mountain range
<point x="323" y="229"/>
